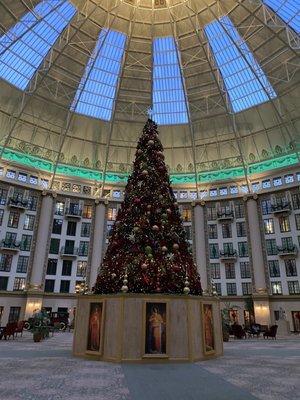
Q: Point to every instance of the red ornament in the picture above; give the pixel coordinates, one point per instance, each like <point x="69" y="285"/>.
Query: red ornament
<point x="136" y="200"/>
<point x="144" y="266"/>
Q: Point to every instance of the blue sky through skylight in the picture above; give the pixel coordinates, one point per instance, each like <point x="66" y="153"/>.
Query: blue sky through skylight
<point x="22" y="52"/>
<point x="96" y="92"/>
<point x="246" y="86"/>
<point x="287" y="10"/>
<point x="168" y="98"/>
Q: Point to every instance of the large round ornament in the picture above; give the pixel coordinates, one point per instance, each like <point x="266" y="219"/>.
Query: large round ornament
<point x="148" y="249"/>
<point x="144" y="172"/>
<point x="150" y="142"/>
<point x="175" y="246"/>
<point x="139" y="151"/>
<point x="144" y="266"/>
<point x="155" y="228"/>
<point x="164" y="249"/>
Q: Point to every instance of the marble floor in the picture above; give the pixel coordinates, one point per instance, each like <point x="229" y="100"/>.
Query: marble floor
<point x="250" y="369"/>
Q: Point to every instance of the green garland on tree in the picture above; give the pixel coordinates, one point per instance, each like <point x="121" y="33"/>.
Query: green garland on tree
<point x="148" y="251"/>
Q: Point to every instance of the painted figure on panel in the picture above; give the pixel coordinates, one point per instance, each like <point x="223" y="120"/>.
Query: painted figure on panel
<point x="95" y="327"/>
<point x="208" y="328"/>
<point x="155" y="328"/>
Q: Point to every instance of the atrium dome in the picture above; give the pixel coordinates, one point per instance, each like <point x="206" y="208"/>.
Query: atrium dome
<point x="221" y="78"/>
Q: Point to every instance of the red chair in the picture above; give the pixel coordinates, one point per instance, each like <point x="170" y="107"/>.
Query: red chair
<point x="10" y="330"/>
<point x="20" y="327"/>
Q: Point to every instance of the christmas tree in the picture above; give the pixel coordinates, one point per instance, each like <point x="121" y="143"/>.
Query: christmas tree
<point x="148" y="251"/>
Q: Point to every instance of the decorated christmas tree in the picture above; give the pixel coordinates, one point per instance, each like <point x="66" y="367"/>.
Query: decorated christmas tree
<point x="148" y="250"/>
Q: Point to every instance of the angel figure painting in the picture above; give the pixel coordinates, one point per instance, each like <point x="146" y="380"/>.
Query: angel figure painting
<point x="94" y="333"/>
<point x="155" y="338"/>
<point x="209" y="343"/>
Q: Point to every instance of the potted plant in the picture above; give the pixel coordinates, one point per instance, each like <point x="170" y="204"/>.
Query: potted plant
<point x="40" y="328"/>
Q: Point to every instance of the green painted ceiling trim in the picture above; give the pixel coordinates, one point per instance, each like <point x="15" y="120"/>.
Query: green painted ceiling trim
<point x="26" y="159"/>
<point x="279" y="162"/>
<point x="177" y="179"/>
<point x="221" y="175"/>
<point x="84" y="173"/>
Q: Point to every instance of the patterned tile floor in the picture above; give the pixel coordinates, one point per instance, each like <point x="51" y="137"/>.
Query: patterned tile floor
<point x="250" y="370"/>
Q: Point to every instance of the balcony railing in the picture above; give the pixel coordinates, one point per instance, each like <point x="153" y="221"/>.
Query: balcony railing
<point x="17" y="202"/>
<point x="287" y="251"/>
<point x="68" y="252"/>
<point x="281" y="207"/>
<point x="228" y="255"/>
<point x="225" y="215"/>
<point x="10" y="245"/>
<point x="73" y="212"/>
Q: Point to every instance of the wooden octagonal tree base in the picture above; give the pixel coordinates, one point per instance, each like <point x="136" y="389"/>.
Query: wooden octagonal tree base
<point x="147" y="328"/>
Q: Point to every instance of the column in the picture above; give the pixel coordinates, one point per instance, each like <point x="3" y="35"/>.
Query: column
<point x="200" y="242"/>
<point x="98" y="240"/>
<point x="35" y="298"/>
<point x="260" y="296"/>
<point x="42" y="235"/>
<point x="256" y="246"/>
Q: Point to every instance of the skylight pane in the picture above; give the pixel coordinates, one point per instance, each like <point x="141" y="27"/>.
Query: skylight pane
<point x="96" y="92"/>
<point x="287" y="10"/>
<point x="246" y="86"/>
<point x="25" y="45"/>
<point x="169" y="105"/>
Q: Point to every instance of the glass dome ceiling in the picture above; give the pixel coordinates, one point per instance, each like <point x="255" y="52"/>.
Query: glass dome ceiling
<point x="221" y="78"/>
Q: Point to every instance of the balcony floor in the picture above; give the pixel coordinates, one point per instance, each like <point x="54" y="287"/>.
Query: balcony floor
<point x="250" y="369"/>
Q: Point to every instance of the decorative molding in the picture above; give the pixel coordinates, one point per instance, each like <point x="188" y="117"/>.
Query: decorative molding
<point x="250" y="196"/>
<point x="217" y="173"/>
<point x="49" y="193"/>
<point x="101" y="201"/>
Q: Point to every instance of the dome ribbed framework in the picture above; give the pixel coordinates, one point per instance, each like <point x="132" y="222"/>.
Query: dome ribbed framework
<point x="40" y="121"/>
